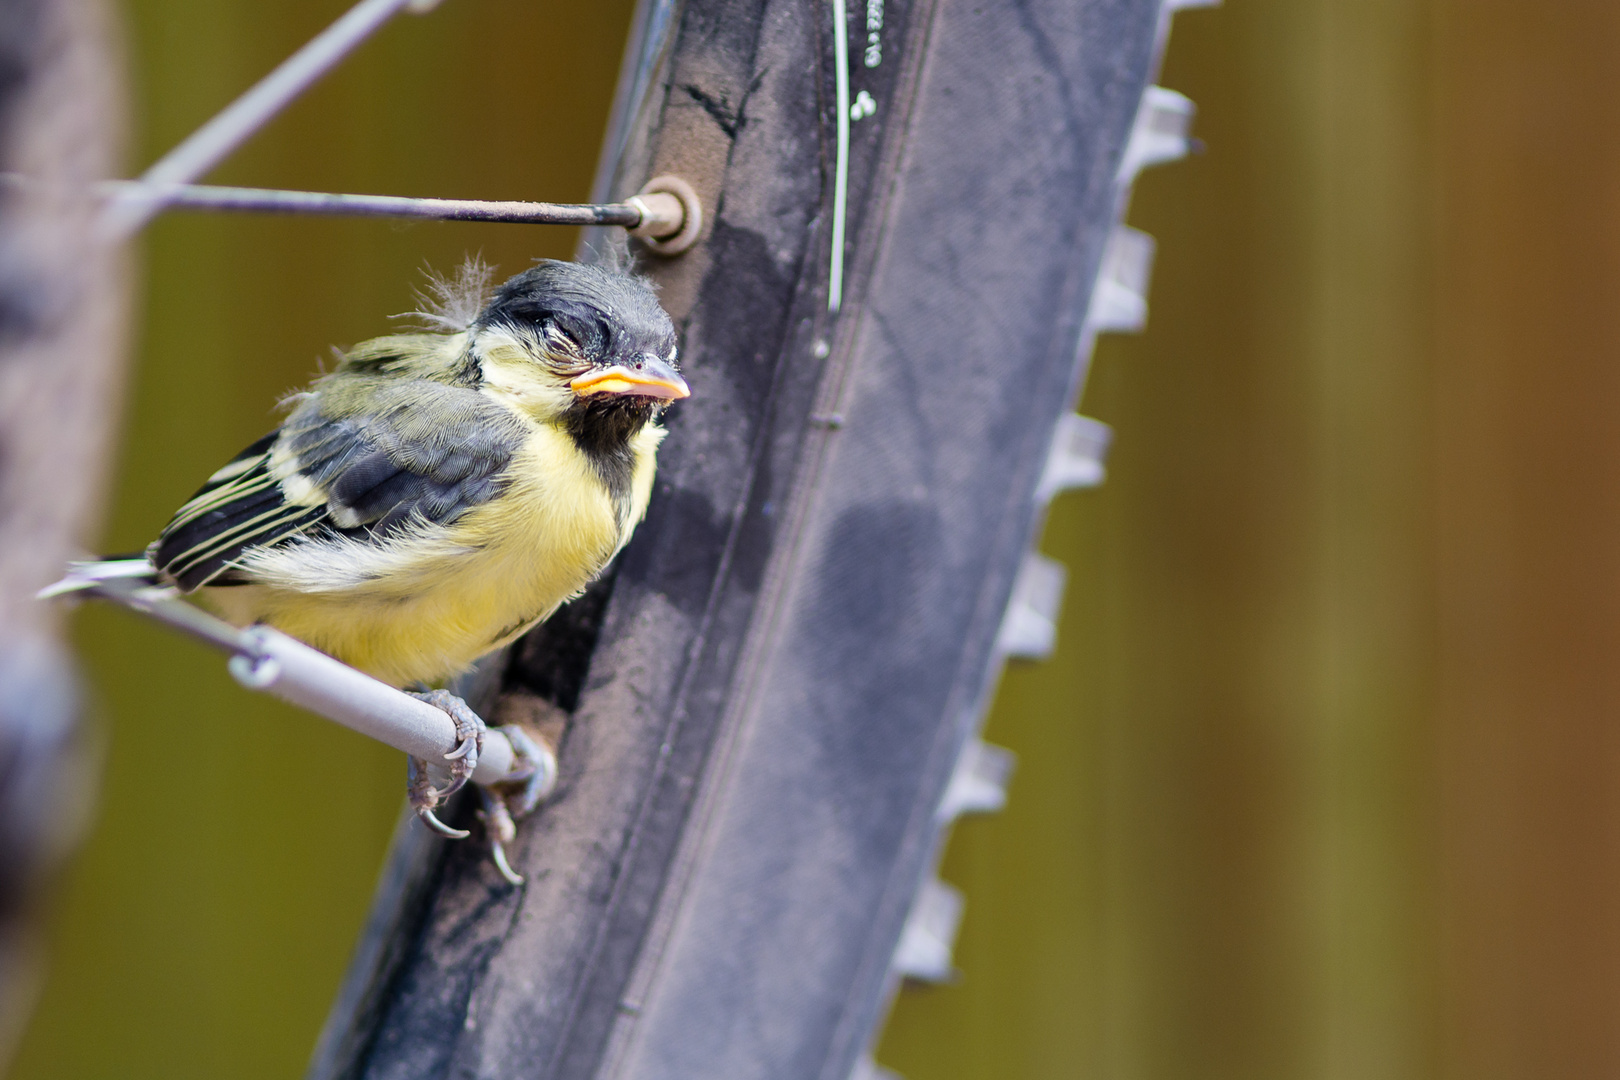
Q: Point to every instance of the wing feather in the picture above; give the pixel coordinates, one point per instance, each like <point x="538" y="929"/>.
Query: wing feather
<point x="418" y="452"/>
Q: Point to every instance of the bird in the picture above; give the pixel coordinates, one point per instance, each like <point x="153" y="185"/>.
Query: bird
<point x="439" y="492"/>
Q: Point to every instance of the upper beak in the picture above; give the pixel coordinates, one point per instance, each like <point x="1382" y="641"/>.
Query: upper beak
<point x="654" y="379"/>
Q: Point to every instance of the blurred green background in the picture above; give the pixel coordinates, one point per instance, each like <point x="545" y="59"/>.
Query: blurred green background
<point x="1322" y="782"/>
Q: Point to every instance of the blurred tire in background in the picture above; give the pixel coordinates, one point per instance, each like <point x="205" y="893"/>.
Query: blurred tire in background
<point x="1322" y="783"/>
<point x="63" y="302"/>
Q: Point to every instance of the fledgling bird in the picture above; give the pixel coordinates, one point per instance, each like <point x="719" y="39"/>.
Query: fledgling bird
<point x="439" y="493"/>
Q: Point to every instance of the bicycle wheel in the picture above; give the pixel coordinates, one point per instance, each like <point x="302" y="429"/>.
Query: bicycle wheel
<point x="886" y="323"/>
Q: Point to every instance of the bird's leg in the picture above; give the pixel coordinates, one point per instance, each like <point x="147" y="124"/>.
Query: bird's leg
<point x="425" y="798"/>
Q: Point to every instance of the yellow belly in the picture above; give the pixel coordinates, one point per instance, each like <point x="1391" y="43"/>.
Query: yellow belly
<point x="495" y="572"/>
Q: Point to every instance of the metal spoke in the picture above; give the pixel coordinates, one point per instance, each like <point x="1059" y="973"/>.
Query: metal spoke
<point x="264" y="200"/>
<point x="666" y="213"/>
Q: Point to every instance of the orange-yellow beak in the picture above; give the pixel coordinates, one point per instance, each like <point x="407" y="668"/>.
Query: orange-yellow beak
<point x="654" y="379"/>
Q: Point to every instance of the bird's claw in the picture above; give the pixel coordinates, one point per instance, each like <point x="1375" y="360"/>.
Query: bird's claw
<point x="533" y="775"/>
<point x="469" y="733"/>
<point x="425" y="798"/>
<point x="440" y="827"/>
<point x="502" y="830"/>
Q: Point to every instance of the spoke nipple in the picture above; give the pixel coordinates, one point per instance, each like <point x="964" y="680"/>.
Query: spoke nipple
<point x="671" y="215"/>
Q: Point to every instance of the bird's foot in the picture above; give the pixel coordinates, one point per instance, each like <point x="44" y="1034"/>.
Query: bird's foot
<point x="531" y="778"/>
<point x="424" y="796"/>
<point x="533" y="775"/>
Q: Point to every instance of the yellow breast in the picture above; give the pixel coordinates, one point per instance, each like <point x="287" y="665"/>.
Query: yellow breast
<point x="438" y="601"/>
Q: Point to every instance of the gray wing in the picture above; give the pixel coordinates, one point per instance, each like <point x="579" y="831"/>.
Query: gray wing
<point x="421" y="451"/>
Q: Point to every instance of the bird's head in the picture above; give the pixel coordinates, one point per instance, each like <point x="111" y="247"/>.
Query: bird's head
<point x="582" y="343"/>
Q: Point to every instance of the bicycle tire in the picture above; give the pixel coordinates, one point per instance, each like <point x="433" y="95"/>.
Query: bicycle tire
<point x="769" y="698"/>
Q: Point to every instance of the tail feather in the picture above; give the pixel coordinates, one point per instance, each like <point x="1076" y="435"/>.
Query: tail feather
<point x="87" y="575"/>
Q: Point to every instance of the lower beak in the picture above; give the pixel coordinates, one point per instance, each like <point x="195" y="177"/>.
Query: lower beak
<point x="654" y="379"/>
